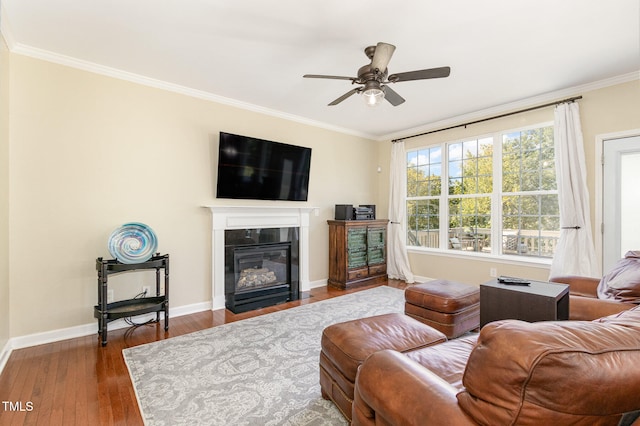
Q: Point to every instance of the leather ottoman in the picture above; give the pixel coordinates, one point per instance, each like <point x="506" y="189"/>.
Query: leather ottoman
<point x="448" y="306"/>
<point x="346" y="345"/>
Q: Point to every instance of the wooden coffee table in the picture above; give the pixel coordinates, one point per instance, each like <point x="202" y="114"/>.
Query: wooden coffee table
<point x="539" y="301"/>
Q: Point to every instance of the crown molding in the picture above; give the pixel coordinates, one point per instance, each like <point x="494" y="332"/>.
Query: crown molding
<point x="25" y="50"/>
<point x="45" y="55"/>
<point x="521" y="104"/>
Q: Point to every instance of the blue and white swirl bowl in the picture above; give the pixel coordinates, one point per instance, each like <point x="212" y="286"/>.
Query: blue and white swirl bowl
<point x="133" y="242"/>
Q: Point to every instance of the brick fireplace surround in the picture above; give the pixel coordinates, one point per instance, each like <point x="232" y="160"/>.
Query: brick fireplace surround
<point x="248" y="217"/>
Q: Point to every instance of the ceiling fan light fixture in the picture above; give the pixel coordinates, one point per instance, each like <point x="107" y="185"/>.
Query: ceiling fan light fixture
<point x="374" y="76"/>
<point x="373" y="97"/>
<point x="373" y="94"/>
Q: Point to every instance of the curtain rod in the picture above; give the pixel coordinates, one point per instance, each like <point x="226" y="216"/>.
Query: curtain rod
<point x="568" y="100"/>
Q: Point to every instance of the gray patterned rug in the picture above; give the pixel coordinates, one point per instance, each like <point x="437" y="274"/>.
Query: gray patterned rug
<point x="259" y="371"/>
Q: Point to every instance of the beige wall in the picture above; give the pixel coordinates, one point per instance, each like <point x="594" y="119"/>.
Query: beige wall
<point x="610" y="110"/>
<point x="4" y="194"/>
<point x="606" y="110"/>
<point x="89" y="153"/>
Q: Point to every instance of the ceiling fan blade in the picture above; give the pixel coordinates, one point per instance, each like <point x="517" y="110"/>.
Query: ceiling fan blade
<point x="332" y="77"/>
<point x="382" y="56"/>
<point x="345" y="96"/>
<point x="421" y="74"/>
<point x="391" y="95"/>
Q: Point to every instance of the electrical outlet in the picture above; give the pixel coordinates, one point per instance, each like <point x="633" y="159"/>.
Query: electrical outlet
<point x="110" y="296"/>
<point x="493" y="272"/>
<point x="146" y="290"/>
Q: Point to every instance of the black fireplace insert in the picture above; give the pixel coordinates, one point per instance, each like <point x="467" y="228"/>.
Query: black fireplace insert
<point x="261" y="268"/>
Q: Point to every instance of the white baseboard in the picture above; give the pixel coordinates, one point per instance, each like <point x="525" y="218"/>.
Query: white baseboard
<point x="92" y="328"/>
<point x="318" y="283"/>
<point x="417" y="279"/>
<point x="219" y="302"/>
<point x="87" y="330"/>
<point x="322" y="283"/>
<point x="422" y="279"/>
<point x="4" y="355"/>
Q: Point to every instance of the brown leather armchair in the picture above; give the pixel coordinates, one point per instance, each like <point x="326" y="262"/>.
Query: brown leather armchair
<point x="619" y="290"/>
<point x="583" y="299"/>
<point x="518" y="373"/>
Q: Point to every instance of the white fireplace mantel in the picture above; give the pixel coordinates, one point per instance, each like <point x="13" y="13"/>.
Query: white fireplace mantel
<point x="247" y="217"/>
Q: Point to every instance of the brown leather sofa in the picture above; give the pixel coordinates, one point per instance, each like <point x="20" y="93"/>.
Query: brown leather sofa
<point x="518" y="373"/>
<point x="583" y="299"/>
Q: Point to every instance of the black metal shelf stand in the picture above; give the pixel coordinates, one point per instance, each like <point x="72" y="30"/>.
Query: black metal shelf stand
<point x="107" y="312"/>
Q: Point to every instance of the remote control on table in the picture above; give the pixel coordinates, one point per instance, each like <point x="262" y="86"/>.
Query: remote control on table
<point x="513" y="281"/>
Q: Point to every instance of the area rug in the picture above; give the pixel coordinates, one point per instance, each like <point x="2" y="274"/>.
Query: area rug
<point x="259" y="371"/>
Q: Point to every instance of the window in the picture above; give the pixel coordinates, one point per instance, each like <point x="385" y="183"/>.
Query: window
<point x="424" y="187"/>
<point x="499" y="195"/>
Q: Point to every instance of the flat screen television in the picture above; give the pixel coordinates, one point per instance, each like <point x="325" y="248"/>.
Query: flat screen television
<point x="257" y="169"/>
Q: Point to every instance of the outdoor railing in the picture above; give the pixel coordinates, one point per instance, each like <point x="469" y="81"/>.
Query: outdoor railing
<point x="526" y="243"/>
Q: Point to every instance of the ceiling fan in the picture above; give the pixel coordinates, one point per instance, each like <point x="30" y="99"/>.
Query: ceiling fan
<point x="375" y="77"/>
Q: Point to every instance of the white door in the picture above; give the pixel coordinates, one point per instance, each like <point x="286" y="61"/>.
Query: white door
<point x="620" y="199"/>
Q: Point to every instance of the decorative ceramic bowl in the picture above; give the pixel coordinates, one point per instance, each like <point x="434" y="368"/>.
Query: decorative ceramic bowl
<point x="133" y="243"/>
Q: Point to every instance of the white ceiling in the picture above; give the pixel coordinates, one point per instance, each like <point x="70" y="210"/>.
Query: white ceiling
<point x="253" y="53"/>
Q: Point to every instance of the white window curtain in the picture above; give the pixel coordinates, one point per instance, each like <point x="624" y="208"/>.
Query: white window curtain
<point x="574" y="254"/>
<point x="397" y="259"/>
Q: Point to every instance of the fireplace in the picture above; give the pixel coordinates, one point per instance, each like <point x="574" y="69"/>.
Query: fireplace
<point x="261" y="268"/>
<point x="241" y="218"/>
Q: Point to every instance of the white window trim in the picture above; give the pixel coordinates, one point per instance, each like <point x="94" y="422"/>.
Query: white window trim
<point x="496" y="202"/>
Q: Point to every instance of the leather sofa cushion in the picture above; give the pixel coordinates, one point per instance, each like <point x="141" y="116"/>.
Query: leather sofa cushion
<point x="446" y="360"/>
<point x="520" y="373"/>
<point x="347" y="344"/>
<point x="622" y="283"/>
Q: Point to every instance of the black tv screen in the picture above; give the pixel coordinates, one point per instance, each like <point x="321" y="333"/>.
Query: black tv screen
<point x="257" y="169"/>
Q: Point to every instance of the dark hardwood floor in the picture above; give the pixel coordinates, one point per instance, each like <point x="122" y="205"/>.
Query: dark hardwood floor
<point x="79" y="382"/>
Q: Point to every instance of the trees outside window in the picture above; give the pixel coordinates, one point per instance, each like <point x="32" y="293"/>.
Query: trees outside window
<point x="499" y="196"/>
<point x="424" y="188"/>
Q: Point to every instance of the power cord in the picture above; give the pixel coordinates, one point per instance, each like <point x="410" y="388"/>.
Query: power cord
<point x="129" y="321"/>
<point x="140" y="295"/>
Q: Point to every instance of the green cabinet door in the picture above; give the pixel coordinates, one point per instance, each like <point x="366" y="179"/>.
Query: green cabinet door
<point x="376" y="241"/>
<point x="356" y="248"/>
